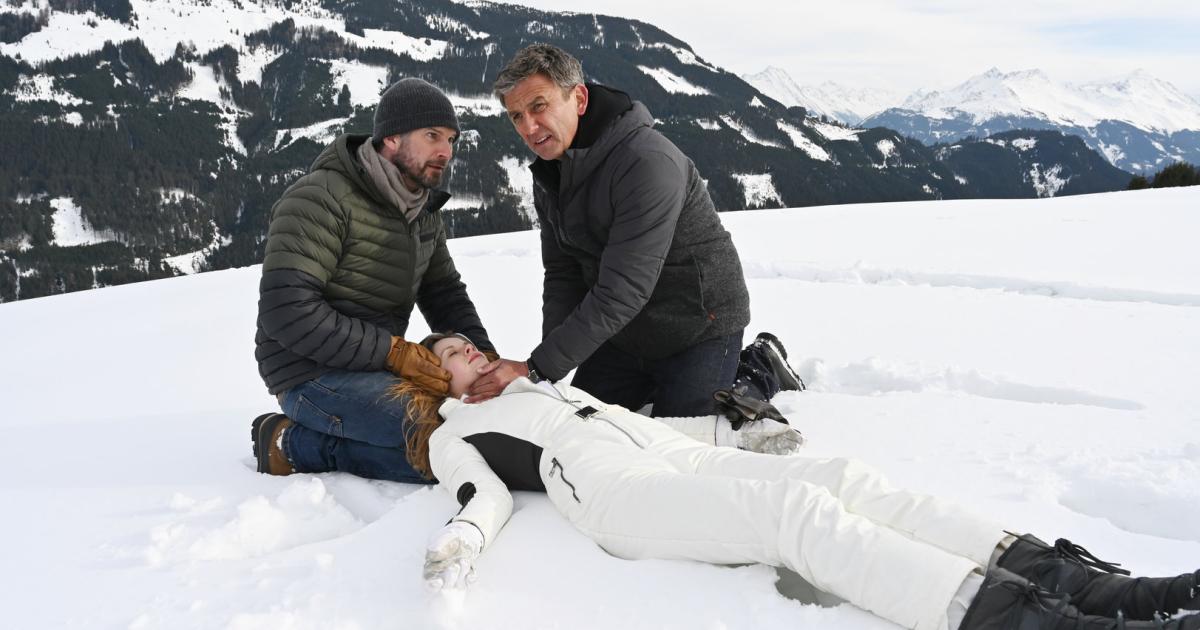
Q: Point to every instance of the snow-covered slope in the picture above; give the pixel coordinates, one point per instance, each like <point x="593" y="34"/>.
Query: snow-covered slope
<point x="1035" y="360"/>
<point x="841" y="103"/>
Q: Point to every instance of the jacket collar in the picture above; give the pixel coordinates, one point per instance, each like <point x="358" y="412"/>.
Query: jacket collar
<point x="340" y="156"/>
<point x="611" y="124"/>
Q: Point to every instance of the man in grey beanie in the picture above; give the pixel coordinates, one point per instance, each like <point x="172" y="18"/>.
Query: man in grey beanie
<point x="352" y="246"/>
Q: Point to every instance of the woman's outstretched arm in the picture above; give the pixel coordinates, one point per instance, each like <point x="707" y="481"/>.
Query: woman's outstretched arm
<point x="486" y="506"/>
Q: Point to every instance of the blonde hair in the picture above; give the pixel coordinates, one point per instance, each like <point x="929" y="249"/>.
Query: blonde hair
<point x="421" y="413"/>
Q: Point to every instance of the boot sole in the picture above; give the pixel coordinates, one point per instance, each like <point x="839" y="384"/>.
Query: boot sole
<point x="261" y="448"/>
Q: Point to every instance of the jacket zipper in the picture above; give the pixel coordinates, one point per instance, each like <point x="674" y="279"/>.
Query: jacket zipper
<point x="595" y="413"/>
<point x="555" y="464"/>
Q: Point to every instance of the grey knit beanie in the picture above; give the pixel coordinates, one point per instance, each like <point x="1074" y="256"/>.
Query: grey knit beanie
<point x="412" y="104"/>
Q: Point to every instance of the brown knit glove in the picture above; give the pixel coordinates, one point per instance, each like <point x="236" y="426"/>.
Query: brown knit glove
<point x="413" y="362"/>
<point x="490" y="356"/>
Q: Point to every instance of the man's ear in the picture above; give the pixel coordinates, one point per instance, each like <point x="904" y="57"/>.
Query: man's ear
<point x="581" y="98"/>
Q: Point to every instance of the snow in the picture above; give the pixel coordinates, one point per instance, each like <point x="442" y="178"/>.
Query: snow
<point x="756" y="102"/>
<point x="482" y="105"/>
<point x="960" y="179"/>
<point x="418" y="48"/>
<point x="758" y="189"/>
<point x="174" y="195"/>
<point x="71" y="229"/>
<point x="205" y="85"/>
<point x="1138" y="99"/>
<point x="520" y="182"/>
<point x="672" y="82"/>
<point x="162" y="25"/>
<point x="682" y="54"/>
<point x="846" y="105"/>
<point x="366" y="82"/>
<point x="1112" y="152"/>
<point x="1035" y="361"/>
<point x="41" y="88"/>
<point x="1047" y="183"/>
<point x="1024" y="144"/>
<point x="322" y="132"/>
<point x="833" y="132"/>
<point x="464" y="202"/>
<point x="251" y="63"/>
<point x="710" y="125"/>
<point x="447" y="23"/>
<point x="539" y="28"/>
<point x="207" y="24"/>
<point x="802" y="142"/>
<point x="886" y="148"/>
<point x="191" y="262"/>
<point x="747" y="133"/>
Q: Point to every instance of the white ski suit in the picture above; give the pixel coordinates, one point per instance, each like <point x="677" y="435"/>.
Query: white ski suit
<point x="640" y="489"/>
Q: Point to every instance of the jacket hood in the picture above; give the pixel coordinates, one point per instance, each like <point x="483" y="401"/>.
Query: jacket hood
<point x="578" y="164"/>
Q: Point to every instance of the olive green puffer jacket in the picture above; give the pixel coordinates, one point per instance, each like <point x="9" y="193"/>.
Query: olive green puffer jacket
<point x="343" y="270"/>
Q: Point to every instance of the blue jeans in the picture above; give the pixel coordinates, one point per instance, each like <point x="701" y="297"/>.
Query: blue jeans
<point x="347" y="421"/>
<point x="679" y="385"/>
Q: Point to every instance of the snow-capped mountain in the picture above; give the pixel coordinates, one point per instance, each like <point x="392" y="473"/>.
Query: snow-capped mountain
<point x="832" y="100"/>
<point x="1138" y="122"/>
<point x="154" y="137"/>
<point x="1138" y="99"/>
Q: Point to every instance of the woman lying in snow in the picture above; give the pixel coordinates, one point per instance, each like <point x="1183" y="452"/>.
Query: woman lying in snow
<point x="640" y="489"/>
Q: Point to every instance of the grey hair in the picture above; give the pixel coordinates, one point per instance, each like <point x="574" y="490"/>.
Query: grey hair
<point x="552" y="61"/>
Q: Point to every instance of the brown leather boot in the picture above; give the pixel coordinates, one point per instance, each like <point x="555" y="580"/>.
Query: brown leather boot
<point x="266" y="433"/>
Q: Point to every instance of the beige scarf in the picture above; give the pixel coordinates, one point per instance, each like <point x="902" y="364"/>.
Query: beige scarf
<point x="387" y="179"/>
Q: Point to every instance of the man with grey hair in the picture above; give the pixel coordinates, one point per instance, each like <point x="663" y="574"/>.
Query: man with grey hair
<point x="643" y="289"/>
<point x="352" y="246"/>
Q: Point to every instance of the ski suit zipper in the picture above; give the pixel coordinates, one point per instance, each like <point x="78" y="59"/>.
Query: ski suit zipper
<point x="556" y="465"/>
<point x="588" y="412"/>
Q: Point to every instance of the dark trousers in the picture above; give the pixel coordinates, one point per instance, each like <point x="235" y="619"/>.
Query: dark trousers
<point x="679" y="385"/>
<point x="348" y="421"/>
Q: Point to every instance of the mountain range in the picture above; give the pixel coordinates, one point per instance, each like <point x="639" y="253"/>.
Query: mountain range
<point x="150" y="139"/>
<point x="843" y="104"/>
<point x="1138" y="122"/>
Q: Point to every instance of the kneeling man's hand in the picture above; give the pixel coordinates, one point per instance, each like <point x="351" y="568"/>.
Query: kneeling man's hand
<point x="413" y="362"/>
<point x="494" y="377"/>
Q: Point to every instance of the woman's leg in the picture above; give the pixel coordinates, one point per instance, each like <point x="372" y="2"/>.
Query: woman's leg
<point x="861" y="489"/>
<point x="648" y="511"/>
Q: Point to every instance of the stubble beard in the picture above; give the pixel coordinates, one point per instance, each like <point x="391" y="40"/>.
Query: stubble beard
<point x="417" y="172"/>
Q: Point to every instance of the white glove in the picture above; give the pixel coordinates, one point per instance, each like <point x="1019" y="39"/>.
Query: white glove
<point x="450" y="556"/>
<point x="762" y="436"/>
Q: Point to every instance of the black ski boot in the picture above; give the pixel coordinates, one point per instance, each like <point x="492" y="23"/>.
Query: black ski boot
<point x="1007" y="601"/>
<point x="776" y="355"/>
<point x="1097" y="587"/>
<point x="764" y="370"/>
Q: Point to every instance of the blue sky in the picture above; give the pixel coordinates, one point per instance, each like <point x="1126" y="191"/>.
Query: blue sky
<point x="933" y="44"/>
